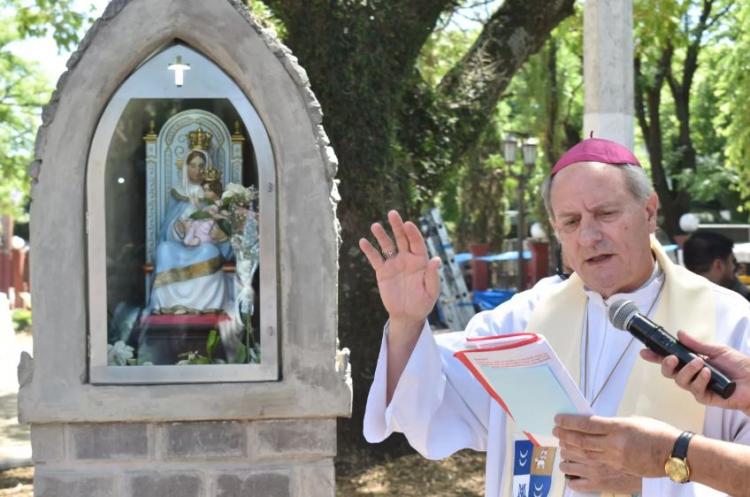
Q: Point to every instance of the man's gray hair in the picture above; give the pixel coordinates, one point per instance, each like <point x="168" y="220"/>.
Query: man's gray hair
<point x="636" y="181"/>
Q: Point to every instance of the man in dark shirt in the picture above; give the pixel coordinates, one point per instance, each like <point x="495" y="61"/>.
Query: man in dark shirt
<point x="710" y="255"/>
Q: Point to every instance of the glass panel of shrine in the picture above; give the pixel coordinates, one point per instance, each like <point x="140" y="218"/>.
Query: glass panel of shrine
<point x="181" y="222"/>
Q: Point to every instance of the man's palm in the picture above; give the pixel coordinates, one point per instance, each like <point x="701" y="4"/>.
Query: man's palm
<point x="408" y="280"/>
<point x="406" y="288"/>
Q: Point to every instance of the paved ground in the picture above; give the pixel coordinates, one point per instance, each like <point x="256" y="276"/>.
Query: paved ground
<point x="15" y="449"/>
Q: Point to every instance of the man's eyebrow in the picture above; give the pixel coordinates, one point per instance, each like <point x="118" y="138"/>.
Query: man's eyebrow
<point x="605" y="205"/>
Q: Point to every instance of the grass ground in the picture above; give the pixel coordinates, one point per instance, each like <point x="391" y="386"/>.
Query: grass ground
<point x="18" y="482"/>
<point x="461" y="475"/>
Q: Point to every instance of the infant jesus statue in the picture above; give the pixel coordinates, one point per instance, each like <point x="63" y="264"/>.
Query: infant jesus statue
<point x="201" y="225"/>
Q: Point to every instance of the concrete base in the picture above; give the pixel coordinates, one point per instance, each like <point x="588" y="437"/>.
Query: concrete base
<point x="289" y="458"/>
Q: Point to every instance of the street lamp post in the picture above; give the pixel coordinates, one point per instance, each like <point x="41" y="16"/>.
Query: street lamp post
<point x="528" y="151"/>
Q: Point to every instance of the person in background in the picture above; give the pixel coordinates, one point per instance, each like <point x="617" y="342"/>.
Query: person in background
<point x="710" y="255"/>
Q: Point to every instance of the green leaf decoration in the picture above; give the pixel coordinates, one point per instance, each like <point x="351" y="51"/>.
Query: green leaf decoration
<point x="211" y="343"/>
<point x="198" y="215"/>
<point x="241" y="356"/>
<point x="224" y="226"/>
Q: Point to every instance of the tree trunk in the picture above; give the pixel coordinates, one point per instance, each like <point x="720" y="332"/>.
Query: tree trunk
<point x="360" y="57"/>
<point x="674" y="198"/>
<point x="647" y="108"/>
<point x="516" y="31"/>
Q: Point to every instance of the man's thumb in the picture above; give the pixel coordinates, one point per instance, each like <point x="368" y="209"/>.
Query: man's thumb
<point x="704" y="348"/>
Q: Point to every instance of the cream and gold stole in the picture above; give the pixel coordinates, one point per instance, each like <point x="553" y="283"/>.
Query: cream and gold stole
<point x="686" y="303"/>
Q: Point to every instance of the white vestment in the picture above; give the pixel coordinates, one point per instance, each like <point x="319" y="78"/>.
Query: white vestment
<point x="441" y="408"/>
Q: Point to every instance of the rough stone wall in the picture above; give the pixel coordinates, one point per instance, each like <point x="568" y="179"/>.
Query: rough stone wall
<point x="54" y="384"/>
<point x="226" y="439"/>
<point x="288" y="60"/>
<point x="284" y="458"/>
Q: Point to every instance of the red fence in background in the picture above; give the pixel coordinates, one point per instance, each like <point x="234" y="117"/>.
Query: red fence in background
<point x="14" y="265"/>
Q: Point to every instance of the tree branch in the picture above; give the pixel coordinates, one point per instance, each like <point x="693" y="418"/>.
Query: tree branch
<point x="647" y="111"/>
<point x="515" y="31"/>
<point x="691" y="57"/>
<point x="640" y="110"/>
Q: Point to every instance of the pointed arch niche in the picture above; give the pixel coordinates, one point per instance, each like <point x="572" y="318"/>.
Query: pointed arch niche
<point x="171" y="267"/>
<point x="103" y="186"/>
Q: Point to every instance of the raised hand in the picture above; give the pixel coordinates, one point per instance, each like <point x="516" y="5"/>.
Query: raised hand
<point x="409" y="286"/>
<point x="408" y="281"/>
<point x="694" y="377"/>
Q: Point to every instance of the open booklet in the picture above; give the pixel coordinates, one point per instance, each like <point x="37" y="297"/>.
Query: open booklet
<point x="524" y="375"/>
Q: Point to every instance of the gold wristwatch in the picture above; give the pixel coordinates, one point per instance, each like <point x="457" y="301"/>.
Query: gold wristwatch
<point x="677" y="467"/>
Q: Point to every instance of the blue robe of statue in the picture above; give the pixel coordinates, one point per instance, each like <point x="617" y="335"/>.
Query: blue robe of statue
<point x="189" y="280"/>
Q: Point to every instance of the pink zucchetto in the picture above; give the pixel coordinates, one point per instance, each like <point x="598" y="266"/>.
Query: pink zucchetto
<point x="596" y="150"/>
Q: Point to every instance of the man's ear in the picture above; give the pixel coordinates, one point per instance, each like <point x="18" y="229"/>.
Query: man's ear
<point x="652" y="209"/>
<point x="717" y="265"/>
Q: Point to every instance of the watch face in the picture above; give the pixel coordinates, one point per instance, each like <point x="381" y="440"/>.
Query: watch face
<point x="677" y="469"/>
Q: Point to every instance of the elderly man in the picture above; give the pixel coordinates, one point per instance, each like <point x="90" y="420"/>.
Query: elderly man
<point x="604" y="213"/>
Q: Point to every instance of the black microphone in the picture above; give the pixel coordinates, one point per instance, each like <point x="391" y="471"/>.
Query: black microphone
<point x="624" y="314"/>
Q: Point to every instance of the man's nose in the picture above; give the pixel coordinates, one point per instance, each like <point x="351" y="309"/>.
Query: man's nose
<point x="590" y="232"/>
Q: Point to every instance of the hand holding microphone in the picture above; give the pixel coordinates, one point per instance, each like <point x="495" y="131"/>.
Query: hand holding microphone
<point x="624" y="314"/>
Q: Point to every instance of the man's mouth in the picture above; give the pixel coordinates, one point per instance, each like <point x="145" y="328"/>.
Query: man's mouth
<point x="598" y="259"/>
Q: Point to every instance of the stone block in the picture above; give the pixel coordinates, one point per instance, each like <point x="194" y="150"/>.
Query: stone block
<point x="311" y="437"/>
<point x="205" y="439"/>
<point x="109" y="441"/>
<point x="253" y="485"/>
<point x="161" y="484"/>
<point x="73" y="484"/>
<point x="47" y="443"/>
<point x="316" y="480"/>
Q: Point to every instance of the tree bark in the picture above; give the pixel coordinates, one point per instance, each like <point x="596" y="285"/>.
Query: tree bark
<point x="517" y="30"/>
<point x="360" y="58"/>
<point x="648" y="112"/>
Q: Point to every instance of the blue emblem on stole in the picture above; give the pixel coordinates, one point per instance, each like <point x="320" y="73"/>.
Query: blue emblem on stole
<point x="532" y="469"/>
<point x="539" y="486"/>
<point x="522" y="456"/>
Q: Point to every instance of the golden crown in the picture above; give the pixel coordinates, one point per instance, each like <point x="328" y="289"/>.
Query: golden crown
<point x="199" y="139"/>
<point x="212" y="174"/>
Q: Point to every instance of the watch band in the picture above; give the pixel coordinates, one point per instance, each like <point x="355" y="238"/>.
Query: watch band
<point x="680" y="448"/>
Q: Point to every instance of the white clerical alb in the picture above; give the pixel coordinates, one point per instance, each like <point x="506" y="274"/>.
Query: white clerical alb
<point x="441" y="408"/>
<point x="611" y="352"/>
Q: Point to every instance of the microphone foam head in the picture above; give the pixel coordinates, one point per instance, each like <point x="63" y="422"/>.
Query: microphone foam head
<point x="620" y="313"/>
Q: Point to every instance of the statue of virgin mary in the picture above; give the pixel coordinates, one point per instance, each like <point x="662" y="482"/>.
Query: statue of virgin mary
<point x="189" y="279"/>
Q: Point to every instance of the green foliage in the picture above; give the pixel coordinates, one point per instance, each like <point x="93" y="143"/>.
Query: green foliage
<point x="443" y="49"/>
<point x="37" y="18"/>
<point x="21" y="320"/>
<point x="482" y="201"/>
<point x="267" y="18"/>
<point x="683" y="48"/>
<point x="734" y="94"/>
<point x="22" y="93"/>
<point x="194" y="357"/>
<point x="544" y="100"/>
<point x="245" y="353"/>
<point x="23" y="88"/>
